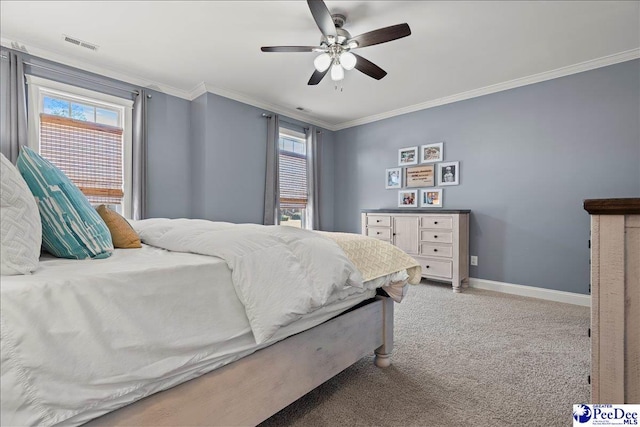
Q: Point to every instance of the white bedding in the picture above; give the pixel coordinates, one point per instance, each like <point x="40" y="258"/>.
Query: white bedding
<point x="279" y="273"/>
<point x="66" y="358"/>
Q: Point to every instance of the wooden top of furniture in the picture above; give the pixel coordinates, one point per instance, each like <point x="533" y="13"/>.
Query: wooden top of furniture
<point x="418" y="211"/>
<point x="612" y="206"/>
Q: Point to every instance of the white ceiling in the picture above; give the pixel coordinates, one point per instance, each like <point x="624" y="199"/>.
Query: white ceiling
<point x="458" y="49"/>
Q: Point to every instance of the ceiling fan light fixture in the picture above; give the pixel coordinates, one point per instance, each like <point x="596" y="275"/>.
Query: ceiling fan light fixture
<point x="322" y="62"/>
<point x="336" y="42"/>
<point x="348" y="60"/>
<point x="337" y="72"/>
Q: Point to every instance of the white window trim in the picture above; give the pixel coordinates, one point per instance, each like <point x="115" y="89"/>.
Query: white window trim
<point x="38" y="87"/>
<point x="292" y="134"/>
<point x="300" y="137"/>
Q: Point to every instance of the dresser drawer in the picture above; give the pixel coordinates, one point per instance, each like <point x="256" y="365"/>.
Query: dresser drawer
<point x="379" y="233"/>
<point x="444" y="222"/>
<point x="436" y="267"/>
<point x="431" y="249"/>
<point x="378" y="221"/>
<point x="436" y="236"/>
<point x="438" y="239"/>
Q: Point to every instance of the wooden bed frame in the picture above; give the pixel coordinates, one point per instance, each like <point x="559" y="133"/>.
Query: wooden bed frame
<point x="252" y="389"/>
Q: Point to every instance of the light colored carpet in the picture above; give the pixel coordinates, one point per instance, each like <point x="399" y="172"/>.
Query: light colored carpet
<point x="477" y="358"/>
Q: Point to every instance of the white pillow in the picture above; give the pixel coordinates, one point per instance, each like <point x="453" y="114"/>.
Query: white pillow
<point x="20" y="226"/>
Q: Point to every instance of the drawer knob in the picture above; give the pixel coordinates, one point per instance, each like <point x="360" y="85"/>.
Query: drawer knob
<point x="427" y="266"/>
<point x="435" y="236"/>
<point x="435" y="250"/>
<point x="435" y="222"/>
<point x="394" y="234"/>
<point x="377" y="220"/>
<point x="377" y="232"/>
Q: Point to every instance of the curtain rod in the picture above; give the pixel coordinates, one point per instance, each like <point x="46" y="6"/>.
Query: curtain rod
<point x="268" y="116"/>
<point x="89" y="79"/>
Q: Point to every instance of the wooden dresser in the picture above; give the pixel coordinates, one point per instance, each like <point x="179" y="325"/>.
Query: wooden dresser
<point x="615" y="300"/>
<point x="437" y="239"/>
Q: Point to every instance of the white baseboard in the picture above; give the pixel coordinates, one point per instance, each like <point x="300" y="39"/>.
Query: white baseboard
<point x="531" y="291"/>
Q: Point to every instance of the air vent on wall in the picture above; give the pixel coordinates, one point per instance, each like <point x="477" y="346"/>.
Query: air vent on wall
<point x="79" y="42"/>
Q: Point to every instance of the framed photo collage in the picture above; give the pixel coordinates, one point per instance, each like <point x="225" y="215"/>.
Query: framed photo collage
<point x="419" y="170"/>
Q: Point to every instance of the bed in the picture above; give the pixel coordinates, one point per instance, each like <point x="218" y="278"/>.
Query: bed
<point x="173" y="334"/>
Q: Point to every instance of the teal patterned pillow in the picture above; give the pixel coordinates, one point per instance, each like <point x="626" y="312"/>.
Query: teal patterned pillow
<point x="71" y="227"/>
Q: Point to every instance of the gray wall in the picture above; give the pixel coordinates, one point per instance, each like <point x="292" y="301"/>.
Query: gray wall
<point x="327" y="156"/>
<point x="168" y="157"/>
<point x="528" y="157"/>
<point x="229" y="154"/>
<point x="205" y="158"/>
<point x="229" y="159"/>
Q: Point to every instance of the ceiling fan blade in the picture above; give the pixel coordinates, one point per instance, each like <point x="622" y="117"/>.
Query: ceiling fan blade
<point x="381" y="35"/>
<point x="317" y="77"/>
<point x="369" y="68"/>
<point x="292" y="49"/>
<point x="323" y="18"/>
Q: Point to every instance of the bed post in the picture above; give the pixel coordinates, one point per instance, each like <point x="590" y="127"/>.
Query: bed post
<point x="383" y="353"/>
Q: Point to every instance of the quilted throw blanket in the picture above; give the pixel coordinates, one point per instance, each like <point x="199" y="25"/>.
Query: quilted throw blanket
<point x="279" y="273"/>
<point x="375" y="258"/>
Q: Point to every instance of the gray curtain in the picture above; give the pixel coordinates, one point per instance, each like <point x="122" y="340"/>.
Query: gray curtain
<point x="139" y="154"/>
<point x="272" y="179"/>
<point x="314" y="141"/>
<point x="13" y="126"/>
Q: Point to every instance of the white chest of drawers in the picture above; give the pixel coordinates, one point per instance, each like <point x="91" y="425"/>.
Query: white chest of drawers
<point x="438" y="240"/>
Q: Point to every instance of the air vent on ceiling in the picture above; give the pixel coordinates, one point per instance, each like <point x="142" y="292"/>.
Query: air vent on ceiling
<point x="79" y="42"/>
<point x="18" y="46"/>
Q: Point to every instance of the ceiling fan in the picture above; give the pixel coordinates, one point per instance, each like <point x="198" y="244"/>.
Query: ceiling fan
<point x="336" y="45"/>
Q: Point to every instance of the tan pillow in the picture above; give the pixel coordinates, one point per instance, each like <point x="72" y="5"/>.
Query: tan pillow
<point x="122" y="234"/>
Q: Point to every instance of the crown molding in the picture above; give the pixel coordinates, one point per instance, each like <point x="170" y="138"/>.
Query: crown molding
<point x="240" y="97"/>
<point x="103" y="71"/>
<point x="511" y="84"/>
<point x="189" y="95"/>
<point x="199" y="90"/>
<point x="204" y="87"/>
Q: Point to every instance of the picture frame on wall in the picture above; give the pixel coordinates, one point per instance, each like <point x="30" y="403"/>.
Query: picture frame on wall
<point x="420" y="176"/>
<point x="448" y="173"/>
<point x="408" y="156"/>
<point x="393" y="178"/>
<point x="431" y="198"/>
<point x="408" y="198"/>
<point x="432" y="153"/>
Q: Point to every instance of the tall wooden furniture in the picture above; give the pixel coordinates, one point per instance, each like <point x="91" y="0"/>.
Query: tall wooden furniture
<point x="615" y="300"/>
<point x="437" y="239"/>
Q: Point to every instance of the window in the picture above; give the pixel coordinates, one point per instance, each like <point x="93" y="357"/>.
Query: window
<point x="87" y="135"/>
<point x="293" y="178"/>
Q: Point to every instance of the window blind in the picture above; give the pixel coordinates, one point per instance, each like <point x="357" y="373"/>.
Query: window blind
<point x="293" y="180"/>
<point x="90" y="154"/>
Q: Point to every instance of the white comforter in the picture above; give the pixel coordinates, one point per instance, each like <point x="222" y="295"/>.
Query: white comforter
<point x="279" y="273"/>
<point x="82" y="338"/>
